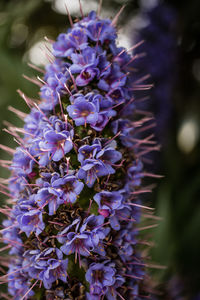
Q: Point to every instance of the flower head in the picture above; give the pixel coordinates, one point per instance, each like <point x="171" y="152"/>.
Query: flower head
<point x="76" y="174"/>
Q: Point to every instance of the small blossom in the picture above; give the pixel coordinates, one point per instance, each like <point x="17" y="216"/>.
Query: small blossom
<point x="83" y="112"/>
<point x="30" y="220"/>
<point x="80" y="244"/>
<point x="94" y="224"/>
<point x="108" y="202"/>
<point x="51" y="197"/>
<point x="87" y="59"/>
<point x="135" y="173"/>
<point x="101" y="30"/>
<point x="56" y="142"/>
<point x="22" y="162"/>
<point x="11" y="236"/>
<point x="91" y="169"/>
<point x="47" y="266"/>
<point x="76" y="39"/>
<point x="100" y="277"/>
<point x="100" y="165"/>
<point x="70" y="186"/>
<point x="18" y="280"/>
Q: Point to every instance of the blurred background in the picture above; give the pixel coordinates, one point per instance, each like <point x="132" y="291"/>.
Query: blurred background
<point x="171" y="54"/>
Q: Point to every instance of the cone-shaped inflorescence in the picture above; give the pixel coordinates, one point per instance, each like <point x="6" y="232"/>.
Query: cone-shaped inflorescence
<point x="76" y="175"/>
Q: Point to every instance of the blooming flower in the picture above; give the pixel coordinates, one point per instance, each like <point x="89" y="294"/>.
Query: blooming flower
<point x="108" y="202"/>
<point x="56" y="145"/>
<point x="75" y="175"/>
<point x="67" y="43"/>
<point x="80" y="244"/>
<point x="85" y="64"/>
<point x="18" y="280"/>
<point x="83" y="112"/>
<point x="46" y="268"/>
<point x="100" y="277"/>
<point x="94" y="224"/>
<point x="30" y="220"/>
<point x="70" y="186"/>
<point x="100" y="165"/>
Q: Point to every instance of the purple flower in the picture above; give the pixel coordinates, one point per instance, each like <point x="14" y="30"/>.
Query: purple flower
<point x="109" y="156"/>
<point x="112" y="293"/>
<point x="47" y="266"/>
<point x="86" y="76"/>
<point x="72" y="184"/>
<point x="76" y="39"/>
<point x="55" y="269"/>
<point x="70" y="187"/>
<point x="118" y="215"/>
<point x="55" y="84"/>
<point x="55" y="145"/>
<point x="18" y="281"/>
<point x="86" y="152"/>
<point x="94" y="224"/>
<point x="103" y="119"/>
<point x="11" y="236"/>
<point x="124" y="241"/>
<point x="101" y="30"/>
<point x="113" y="81"/>
<point x="135" y="173"/>
<point x="126" y="131"/>
<point x="78" y="243"/>
<point x="33" y="123"/>
<point x="74" y="226"/>
<point x="22" y="162"/>
<point x="30" y="220"/>
<point x="83" y="112"/>
<point x="108" y="202"/>
<point x="90" y="170"/>
<point x="98" y="166"/>
<point x="56" y="79"/>
<point x="58" y="66"/>
<point x="87" y="58"/>
<point x="51" y="197"/>
<point x="85" y="64"/>
<point x="100" y="277"/>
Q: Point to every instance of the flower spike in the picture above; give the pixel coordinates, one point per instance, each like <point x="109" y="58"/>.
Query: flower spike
<point x="77" y="174"/>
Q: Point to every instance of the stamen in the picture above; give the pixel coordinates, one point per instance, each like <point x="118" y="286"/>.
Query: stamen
<point x="69" y="16"/>
<point x="99" y="8"/>
<point x="19" y="113"/>
<point x="115" y="20"/>
<point x="36" y="68"/>
<point x="29" y="290"/>
<point x="81" y="10"/>
<point x="36" y="82"/>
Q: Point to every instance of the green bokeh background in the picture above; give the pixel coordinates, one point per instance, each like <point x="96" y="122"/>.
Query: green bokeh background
<point x="177" y="197"/>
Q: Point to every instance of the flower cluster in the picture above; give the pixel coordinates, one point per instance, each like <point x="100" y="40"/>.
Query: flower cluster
<point x="76" y="175"/>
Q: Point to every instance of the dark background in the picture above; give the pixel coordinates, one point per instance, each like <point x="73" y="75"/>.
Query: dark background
<point x="177" y="239"/>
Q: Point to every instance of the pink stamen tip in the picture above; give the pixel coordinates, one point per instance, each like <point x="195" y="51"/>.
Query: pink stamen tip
<point x="49" y="40"/>
<point x="36" y="82"/>
<point x="69" y="16"/>
<point x="29" y="290"/>
<point x="19" y="113"/>
<point x="36" y="68"/>
<point x="115" y="20"/>
<point x="7" y="149"/>
<point x="81" y="9"/>
<point x="99" y="8"/>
